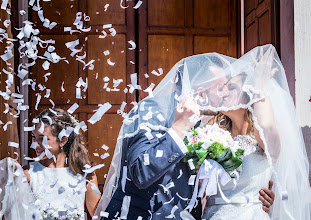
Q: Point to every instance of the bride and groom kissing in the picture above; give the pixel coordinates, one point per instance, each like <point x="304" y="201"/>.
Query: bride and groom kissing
<point x="148" y="179"/>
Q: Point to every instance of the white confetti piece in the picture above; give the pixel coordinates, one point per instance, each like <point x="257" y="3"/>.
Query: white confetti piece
<point x="48" y="93"/>
<point x="46" y="76"/>
<point x="106" y="52"/>
<point x="149" y="90"/>
<point x="27" y="82"/>
<point x="73" y="108"/>
<point x="146" y="159"/>
<point x="147" y="116"/>
<point x="49" y="119"/>
<point x="62" y="87"/>
<point x="33" y="145"/>
<point x="13" y="144"/>
<point x="29" y="128"/>
<point x="5" y="127"/>
<point x="172" y="215"/>
<point x="146" y="76"/>
<point x="122" y="5"/>
<point x="38" y="100"/>
<point x="99" y="113"/>
<point x="92" y="169"/>
<point x="112" y="31"/>
<point x="4" y="4"/>
<point x="125" y="207"/>
<point x="156" y="73"/>
<point x="180" y="173"/>
<point x="159" y="153"/>
<point x="41" y="129"/>
<point x="133" y="45"/>
<point x="51" y="101"/>
<point x="160" y="117"/>
<point x="104" y="214"/>
<point x="191" y="180"/>
<point x="110" y="62"/>
<point x="105" y="147"/>
<point x="104" y="156"/>
<point x="134" y="81"/>
<point x="139" y="3"/>
<point x="106" y="7"/>
<point x="6" y="23"/>
<point x="191" y="165"/>
<point x="96" y="154"/>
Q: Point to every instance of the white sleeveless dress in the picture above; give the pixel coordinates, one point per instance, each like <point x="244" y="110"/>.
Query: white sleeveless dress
<point x="58" y="192"/>
<point x="245" y="204"/>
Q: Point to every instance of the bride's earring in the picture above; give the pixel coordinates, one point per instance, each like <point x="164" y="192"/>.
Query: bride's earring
<point x="61" y="147"/>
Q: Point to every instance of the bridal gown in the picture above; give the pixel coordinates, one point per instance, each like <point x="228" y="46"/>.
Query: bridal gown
<point x="245" y="203"/>
<point x="57" y="188"/>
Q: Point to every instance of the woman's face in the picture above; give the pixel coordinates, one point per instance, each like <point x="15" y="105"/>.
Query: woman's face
<point x="232" y="92"/>
<point x="46" y="141"/>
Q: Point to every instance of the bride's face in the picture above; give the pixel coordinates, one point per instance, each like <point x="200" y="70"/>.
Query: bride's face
<point x="232" y="94"/>
<point x="46" y="141"/>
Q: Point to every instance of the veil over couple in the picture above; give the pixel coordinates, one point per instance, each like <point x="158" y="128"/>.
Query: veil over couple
<point x="249" y="97"/>
<point x="147" y="179"/>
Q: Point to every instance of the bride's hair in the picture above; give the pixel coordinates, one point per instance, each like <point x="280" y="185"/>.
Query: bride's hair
<point x="226" y="123"/>
<point x="75" y="148"/>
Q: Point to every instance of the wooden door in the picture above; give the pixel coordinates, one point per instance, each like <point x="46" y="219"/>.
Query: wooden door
<point x="8" y="123"/>
<point x="65" y="75"/>
<point x="261" y="23"/>
<point x="164" y="32"/>
<point x="170" y="30"/>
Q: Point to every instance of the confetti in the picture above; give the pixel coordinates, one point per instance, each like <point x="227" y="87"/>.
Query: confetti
<point x="99" y="113"/>
<point x="13" y="144"/>
<point x="139" y="3"/>
<point x="159" y="153"/>
<point x="133" y="45"/>
<point x="73" y="108"/>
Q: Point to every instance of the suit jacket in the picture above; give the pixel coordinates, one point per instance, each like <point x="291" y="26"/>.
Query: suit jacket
<point x="159" y="188"/>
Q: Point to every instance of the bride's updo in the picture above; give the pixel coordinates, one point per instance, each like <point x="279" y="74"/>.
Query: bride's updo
<point x="75" y="148"/>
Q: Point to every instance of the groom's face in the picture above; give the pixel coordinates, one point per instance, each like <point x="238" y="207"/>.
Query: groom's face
<point x="214" y="93"/>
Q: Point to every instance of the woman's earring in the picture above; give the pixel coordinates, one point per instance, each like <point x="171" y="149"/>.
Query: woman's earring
<point x="61" y="147"/>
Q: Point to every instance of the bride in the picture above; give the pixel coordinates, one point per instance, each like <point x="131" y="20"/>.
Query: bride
<point x="256" y="107"/>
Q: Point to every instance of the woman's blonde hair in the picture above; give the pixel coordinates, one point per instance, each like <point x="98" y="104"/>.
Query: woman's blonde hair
<point x="226" y="123"/>
<point x="75" y="148"/>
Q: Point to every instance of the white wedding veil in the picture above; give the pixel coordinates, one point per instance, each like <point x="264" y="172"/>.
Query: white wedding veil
<point x="17" y="200"/>
<point x="257" y="82"/>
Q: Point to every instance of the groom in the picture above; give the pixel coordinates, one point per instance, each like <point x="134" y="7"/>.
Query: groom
<point x="160" y="187"/>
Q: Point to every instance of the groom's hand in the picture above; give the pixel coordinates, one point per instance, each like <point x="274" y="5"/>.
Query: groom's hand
<point x="267" y="197"/>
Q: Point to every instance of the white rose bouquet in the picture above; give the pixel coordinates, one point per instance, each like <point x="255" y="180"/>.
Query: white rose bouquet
<point x="212" y="142"/>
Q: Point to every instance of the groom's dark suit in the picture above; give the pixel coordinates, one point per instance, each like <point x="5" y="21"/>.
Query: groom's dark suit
<point x="159" y="188"/>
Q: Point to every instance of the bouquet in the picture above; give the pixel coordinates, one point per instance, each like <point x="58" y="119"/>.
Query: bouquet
<point x="55" y="214"/>
<point x="212" y="142"/>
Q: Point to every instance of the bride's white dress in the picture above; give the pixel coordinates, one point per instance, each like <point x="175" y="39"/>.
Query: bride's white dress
<point x="57" y="188"/>
<point x="245" y="204"/>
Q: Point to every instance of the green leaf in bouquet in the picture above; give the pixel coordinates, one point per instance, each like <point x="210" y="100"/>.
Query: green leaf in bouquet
<point x="231" y="164"/>
<point x="194" y="132"/>
<point x="239" y="152"/>
<point x="215" y="150"/>
<point x="203" y="158"/>
<point x="201" y="152"/>
<point x="186" y="141"/>
<point x="190" y="148"/>
<point x="225" y="155"/>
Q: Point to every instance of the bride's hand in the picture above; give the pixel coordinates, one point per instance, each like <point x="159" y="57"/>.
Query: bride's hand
<point x="267" y="197"/>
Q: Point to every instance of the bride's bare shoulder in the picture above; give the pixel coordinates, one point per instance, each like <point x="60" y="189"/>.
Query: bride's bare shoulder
<point x="26" y="171"/>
